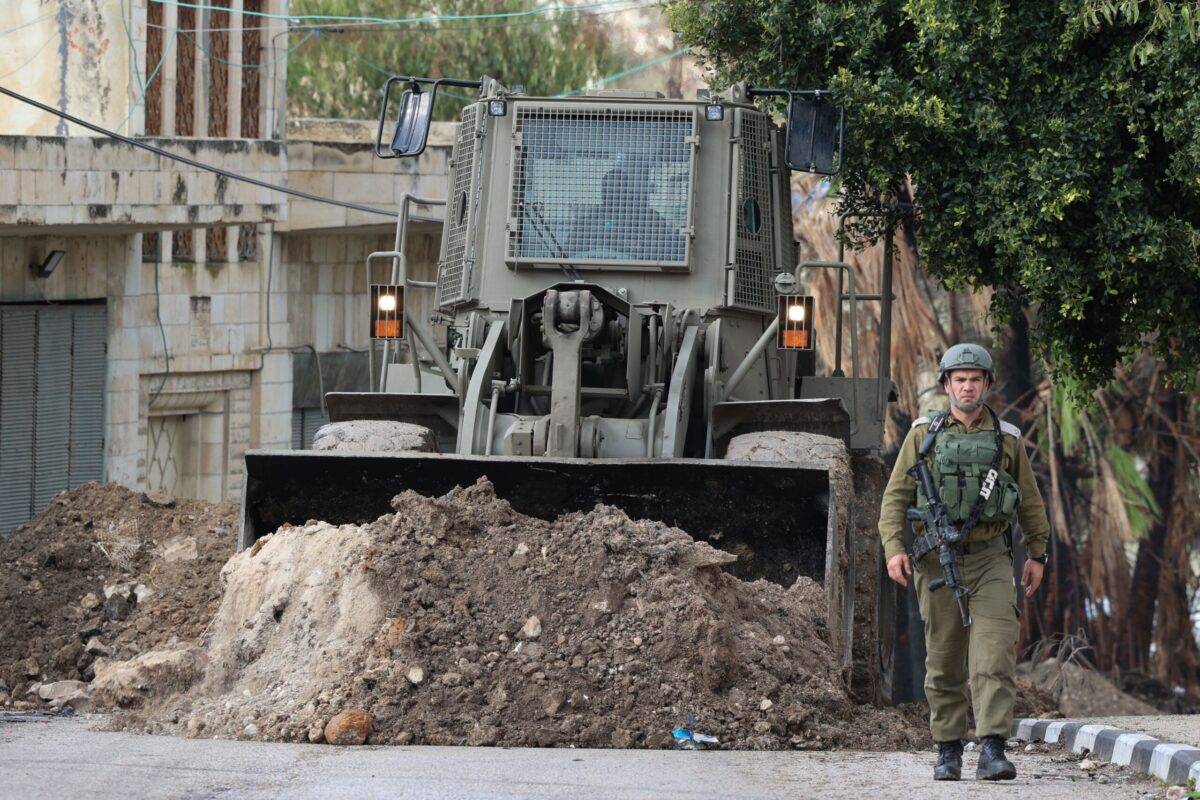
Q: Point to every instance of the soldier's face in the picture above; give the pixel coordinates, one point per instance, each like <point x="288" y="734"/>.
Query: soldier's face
<point x="966" y="387"/>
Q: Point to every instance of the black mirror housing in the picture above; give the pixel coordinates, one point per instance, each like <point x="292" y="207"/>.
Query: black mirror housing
<point x="815" y="129"/>
<point x="814" y="136"/>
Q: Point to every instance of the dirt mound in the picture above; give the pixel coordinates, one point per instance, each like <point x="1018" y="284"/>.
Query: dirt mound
<point x="1081" y="692"/>
<point x="459" y="621"/>
<point x="158" y="558"/>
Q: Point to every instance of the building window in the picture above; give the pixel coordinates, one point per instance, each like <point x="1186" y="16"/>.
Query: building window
<point x="251" y="69"/>
<point x="153" y="76"/>
<point x="183" y="246"/>
<point x="247" y="243"/>
<point x="214" y="245"/>
<point x="152" y="246"/>
<point x="218" y="69"/>
<point x="185" y="73"/>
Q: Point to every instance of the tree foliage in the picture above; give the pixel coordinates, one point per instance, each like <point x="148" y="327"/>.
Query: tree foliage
<point x="1053" y="145"/>
<point x="340" y="72"/>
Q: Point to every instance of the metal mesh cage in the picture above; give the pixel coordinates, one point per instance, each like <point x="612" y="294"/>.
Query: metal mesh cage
<point x="453" y="278"/>
<point x="754" y="259"/>
<point x="595" y="185"/>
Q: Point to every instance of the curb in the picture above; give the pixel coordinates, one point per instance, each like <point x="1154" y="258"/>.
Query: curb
<point x="1173" y="763"/>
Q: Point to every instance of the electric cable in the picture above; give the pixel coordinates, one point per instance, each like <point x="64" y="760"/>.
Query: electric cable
<point x="536" y="11"/>
<point x="375" y="27"/>
<point x="192" y="162"/>
<point x="29" y="24"/>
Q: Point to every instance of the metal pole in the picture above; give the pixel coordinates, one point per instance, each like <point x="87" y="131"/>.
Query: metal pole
<point x="837" y="347"/>
<point x="743" y="369"/>
<point x="885" y="324"/>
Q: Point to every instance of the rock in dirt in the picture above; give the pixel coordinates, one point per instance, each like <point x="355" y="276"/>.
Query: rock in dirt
<point x="159" y="499"/>
<point x="349" y="727"/>
<point x="181" y="549"/>
<point x="95" y="647"/>
<point x="159" y="673"/>
<point x="118" y="607"/>
<point x="307" y="629"/>
<point x="60" y="690"/>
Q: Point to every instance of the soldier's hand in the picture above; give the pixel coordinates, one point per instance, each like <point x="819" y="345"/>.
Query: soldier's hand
<point x="899" y="567"/>
<point x="1031" y="578"/>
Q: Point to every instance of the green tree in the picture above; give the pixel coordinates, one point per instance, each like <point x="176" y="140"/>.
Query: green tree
<point x="1053" y="145"/>
<point x="339" y="72"/>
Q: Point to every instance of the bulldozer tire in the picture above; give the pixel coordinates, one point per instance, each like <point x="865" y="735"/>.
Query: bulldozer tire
<point x="375" y="436"/>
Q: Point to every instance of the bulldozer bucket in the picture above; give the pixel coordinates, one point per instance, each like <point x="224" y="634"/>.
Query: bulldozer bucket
<point x="773" y="516"/>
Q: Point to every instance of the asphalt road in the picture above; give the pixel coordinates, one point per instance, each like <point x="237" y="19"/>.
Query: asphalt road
<point x="44" y="757"/>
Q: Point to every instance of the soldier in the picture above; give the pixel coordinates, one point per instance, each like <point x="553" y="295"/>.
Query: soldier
<point x="965" y="446"/>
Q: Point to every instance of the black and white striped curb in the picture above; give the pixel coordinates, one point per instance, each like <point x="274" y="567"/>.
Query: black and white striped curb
<point x="1173" y="763"/>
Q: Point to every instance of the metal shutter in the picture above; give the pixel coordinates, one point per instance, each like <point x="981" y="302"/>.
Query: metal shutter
<point x="305" y="424"/>
<point x="52" y="375"/>
<point x="18" y="344"/>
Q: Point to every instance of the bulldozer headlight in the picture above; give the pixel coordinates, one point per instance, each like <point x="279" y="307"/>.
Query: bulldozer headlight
<point x="795" y="322"/>
<point x="497" y="108"/>
<point x="714" y="112"/>
<point x="387" y="311"/>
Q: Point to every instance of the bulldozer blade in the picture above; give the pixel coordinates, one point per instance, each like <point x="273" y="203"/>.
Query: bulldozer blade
<point x="773" y="516"/>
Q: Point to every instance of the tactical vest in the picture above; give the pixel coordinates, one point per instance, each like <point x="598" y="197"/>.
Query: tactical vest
<point x="959" y="464"/>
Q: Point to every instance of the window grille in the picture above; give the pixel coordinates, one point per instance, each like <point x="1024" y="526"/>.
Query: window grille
<point x="601" y="186"/>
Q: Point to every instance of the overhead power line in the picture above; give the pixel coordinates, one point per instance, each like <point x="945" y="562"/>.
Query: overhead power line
<point x="529" y="12"/>
<point x="192" y="162"/>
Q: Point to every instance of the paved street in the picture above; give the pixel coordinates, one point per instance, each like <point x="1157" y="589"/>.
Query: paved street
<point x="44" y="757"/>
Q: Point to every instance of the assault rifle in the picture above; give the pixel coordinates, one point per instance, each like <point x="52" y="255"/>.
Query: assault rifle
<point x="941" y="534"/>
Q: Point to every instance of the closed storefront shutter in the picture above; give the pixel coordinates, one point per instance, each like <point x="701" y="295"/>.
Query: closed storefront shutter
<point x="52" y="373"/>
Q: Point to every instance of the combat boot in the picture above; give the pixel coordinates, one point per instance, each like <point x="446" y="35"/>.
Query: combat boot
<point x="949" y="763"/>
<point x="993" y="766"/>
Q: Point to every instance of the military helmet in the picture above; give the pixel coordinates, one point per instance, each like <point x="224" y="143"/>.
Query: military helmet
<point x="966" y="356"/>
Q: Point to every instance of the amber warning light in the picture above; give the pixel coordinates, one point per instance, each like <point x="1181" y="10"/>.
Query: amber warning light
<point x="387" y="311"/>
<point x="795" y="322"/>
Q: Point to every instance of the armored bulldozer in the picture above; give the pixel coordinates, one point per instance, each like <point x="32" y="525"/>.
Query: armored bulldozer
<point x="617" y="316"/>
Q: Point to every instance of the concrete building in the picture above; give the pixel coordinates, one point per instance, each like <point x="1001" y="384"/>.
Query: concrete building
<point x="157" y="320"/>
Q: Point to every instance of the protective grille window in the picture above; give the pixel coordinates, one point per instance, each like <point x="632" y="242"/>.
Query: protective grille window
<point x="602" y="186"/>
<point x="453" y="280"/>
<point x="754" y="259"/>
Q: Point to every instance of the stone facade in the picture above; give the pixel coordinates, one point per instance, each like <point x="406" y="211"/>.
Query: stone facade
<point x="211" y="286"/>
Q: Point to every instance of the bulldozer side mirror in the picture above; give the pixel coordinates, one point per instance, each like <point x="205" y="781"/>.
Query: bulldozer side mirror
<point x="815" y="129"/>
<point x="414" y="115"/>
<point x="814" y="135"/>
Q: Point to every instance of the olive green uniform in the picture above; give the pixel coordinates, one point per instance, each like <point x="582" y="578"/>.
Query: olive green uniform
<point x="985" y="653"/>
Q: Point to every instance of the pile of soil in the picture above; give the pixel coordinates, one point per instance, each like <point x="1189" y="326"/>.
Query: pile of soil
<point x="1078" y="691"/>
<point x="159" y="559"/>
<point x="457" y="620"/>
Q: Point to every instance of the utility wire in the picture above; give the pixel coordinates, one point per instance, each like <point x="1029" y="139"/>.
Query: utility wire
<point x="375" y="27"/>
<point x="530" y="12"/>
<point x="192" y="162"/>
<point x="25" y="25"/>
